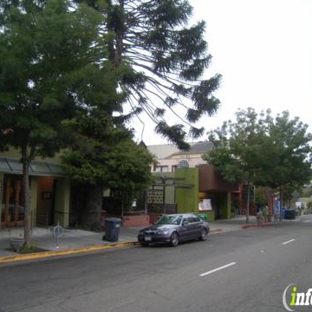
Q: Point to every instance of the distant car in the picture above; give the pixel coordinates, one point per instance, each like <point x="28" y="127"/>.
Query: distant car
<point x="173" y="229"/>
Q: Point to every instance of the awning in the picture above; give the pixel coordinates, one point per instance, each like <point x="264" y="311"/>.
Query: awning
<point x="36" y="168"/>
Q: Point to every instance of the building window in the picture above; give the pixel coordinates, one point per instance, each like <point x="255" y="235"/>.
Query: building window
<point x="160" y="168"/>
<point x="174" y="168"/>
<point x="12" y="212"/>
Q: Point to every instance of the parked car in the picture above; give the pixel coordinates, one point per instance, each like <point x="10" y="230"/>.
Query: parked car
<point x="173" y="229"/>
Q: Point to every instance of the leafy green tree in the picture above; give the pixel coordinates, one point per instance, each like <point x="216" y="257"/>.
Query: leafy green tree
<point x="103" y="156"/>
<point x="163" y="60"/>
<point x="290" y="168"/>
<point x="50" y="59"/>
<point x="262" y="151"/>
<point x="237" y="150"/>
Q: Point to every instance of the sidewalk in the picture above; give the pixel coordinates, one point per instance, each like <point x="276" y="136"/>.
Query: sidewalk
<point x="79" y="241"/>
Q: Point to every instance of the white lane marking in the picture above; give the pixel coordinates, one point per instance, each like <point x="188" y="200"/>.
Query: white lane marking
<point x="285" y="243"/>
<point x="217" y="269"/>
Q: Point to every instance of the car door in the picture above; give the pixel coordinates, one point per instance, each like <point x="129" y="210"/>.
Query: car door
<point x="193" y="227"/>
<point x="197" y="226"/>
<point x="186" y="231"/>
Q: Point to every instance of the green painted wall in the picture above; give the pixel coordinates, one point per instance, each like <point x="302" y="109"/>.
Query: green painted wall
<point x="225" y="205"/>
<point x="187" y="197"/>
<point x="221" y="203"/>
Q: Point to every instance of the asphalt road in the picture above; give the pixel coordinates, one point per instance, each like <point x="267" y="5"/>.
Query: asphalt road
<point x="245" y="270"/>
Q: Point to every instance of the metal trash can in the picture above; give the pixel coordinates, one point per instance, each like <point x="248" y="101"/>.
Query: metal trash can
<point x="112" y="226"/>
<point x="290" y="214"/>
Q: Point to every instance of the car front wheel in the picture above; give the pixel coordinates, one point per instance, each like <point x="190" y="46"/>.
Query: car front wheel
<point x="174" y="239"/>
<point x="203" y="234"/>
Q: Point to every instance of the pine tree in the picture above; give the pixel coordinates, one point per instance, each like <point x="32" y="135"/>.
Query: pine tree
<point x="163" y="61"/>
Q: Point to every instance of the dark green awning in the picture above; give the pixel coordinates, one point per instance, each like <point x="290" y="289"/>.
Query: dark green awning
<point x="37" y="168"/>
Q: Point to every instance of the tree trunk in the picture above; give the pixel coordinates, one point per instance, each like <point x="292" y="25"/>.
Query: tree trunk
<point x="281" y="203"/>
<point x="91" y="217"/>
<point x="248" y="202"/>
<point x="26" y="192"/>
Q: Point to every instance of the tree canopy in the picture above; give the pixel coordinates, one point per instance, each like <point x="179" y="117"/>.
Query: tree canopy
<point x="47" y="70"/>
<point x="65" y="60"/>
<point x="262" y="150"/>
<point x="104" y="153"/>
<point x="50" y="60"/>
<point x="163" y="60"/>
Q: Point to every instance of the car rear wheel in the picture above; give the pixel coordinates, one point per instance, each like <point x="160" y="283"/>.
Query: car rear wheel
<point x="174" y="239"/>
<point x="203" y="234"/>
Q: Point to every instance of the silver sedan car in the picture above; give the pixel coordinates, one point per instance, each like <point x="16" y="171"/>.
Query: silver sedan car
<point x="173" y="229"/>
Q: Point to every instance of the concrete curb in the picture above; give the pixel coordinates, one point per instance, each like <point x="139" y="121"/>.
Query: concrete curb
<point x="66" y="252"/>
<point x="50" y="254"/>
<point x="248" y="226"/>
<point x="81" y="250"/>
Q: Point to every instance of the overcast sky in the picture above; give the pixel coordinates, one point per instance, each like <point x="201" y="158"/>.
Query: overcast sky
<point x="263" y="50"/>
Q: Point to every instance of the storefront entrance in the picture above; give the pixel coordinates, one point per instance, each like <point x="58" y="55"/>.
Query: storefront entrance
<point x="49" y="193"/>
<point x="12" y="212"/>
<point x="45" y="201"/>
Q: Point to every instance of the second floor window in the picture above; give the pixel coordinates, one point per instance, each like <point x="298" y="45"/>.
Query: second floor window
<point x="161" y="169"/>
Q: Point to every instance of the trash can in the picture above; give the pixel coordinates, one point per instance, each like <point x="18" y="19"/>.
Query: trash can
<point x="290" y="214"/>
<point x="112" y="226"/>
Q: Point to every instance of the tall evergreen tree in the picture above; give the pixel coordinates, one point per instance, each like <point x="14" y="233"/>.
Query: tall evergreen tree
<point x="163" y="60"/>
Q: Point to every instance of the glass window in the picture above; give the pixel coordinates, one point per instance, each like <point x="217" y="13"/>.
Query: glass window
<point x="196" y="219"/>
<point x="161" y="169"/>
<point x="12" y="205"/>
<point x="170" y="219"/>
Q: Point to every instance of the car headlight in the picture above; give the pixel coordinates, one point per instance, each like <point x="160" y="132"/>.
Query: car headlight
<point x="163" y="232"/>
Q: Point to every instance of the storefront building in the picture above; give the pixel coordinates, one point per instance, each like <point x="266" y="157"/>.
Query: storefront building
<point x="49" y="193"/>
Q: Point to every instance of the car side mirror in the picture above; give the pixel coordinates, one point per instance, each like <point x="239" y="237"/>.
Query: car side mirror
<point x="185" y="222"/>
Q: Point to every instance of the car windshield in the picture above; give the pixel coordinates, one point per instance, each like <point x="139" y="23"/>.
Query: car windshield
<point x="169" y="219"/>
